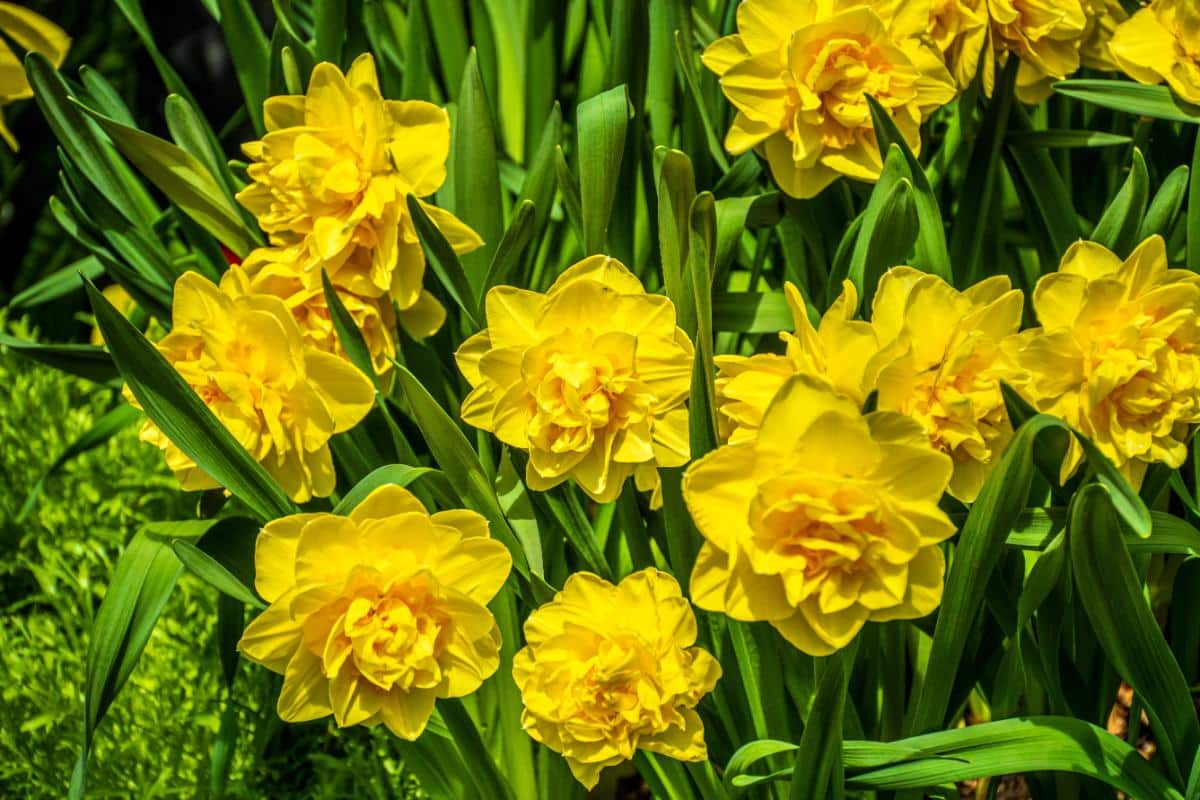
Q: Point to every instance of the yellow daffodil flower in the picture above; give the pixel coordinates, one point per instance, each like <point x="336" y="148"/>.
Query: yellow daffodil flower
<point x="842" y="351"/>
<point x="799" y="73"/>
<point x="1117" y="355"/>
<point x="1161" y="42"/>
<point x="374" y="316"/>
<point x="374" y="616"/>
<point x="1052" y="39"/>
<point x="330" y="179"/>
<point x="591" y="378"/>
<point x="607" y="670"/>
<point x="825" y="520"/>
<point x="281" y="400"/>
<point x="944" y="365"/>
<point x="33" y="33"/>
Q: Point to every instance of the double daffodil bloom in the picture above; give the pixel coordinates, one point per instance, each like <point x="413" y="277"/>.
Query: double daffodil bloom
<point x="330" y="181"/>
<point x="1052" y="39"/>
<point x="1161" y="42"/>
<point x="823" y="521"/>
<point x="591" y="378"/>
<point x="32" y="32"/>
<point x="1117" y="355"/>
<point x="281" y="399"/>
<point x="375" y="616"/>
<point x="944" y="364"/>
<point x="842" y="351"/>
<point x="799" y="74"/>
<point x="608" y="670"/>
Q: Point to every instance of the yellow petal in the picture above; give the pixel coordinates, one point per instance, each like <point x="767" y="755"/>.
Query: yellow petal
<point x="347" y="393"/>
<point x="305" y="692"/>
<point x="386" y="501"/>
<point x="460" y="236"/>
<point x="272" y="637"/>
<point x="423" y="318"/>
<point x="407" y="713"/>
<point x="275" y="555"/>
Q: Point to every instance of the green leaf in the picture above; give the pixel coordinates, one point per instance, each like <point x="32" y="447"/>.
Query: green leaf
<point x="751" y="312"/>
<point x="569" y="187"/>
<point x="602" y="121"/>
<point x="445" y="263"/>
<point x="980" y="191"/>
<point x="192" y="132"/>
<point x="86" y="145"/>
<point x="348" y="334"/>
<point x="1044" y="194"/>
<point x="1193" y="209"/>
<point x="477" y="196"/>
<point x="1061" y="139"/>
<point x="1118" y="227"/>
<point x="516" y="238"/>
<point x="540" y="179"/>
<point x="996" y="512"/>
<point x="932" y="254"/>
<point x="888" y="231"/>
<point x="688" y="67"/>
<point x="1111" y="593"/>
<point x="1165" y="207"/>
<point x="85" y="360"/>
<point x="484" y="772"/>
<point x="818" y="770"/>
<point x="397" y="474"/>
<point x="180" y="414"/>
<point x="1131" y="98"/>
<point x="184" y="180"/>
<point x="1022" y="744"/>
<point x="329" y="29"/>
<point x="701" y="268"/>
<point x="116" y="420"/>
<point x="460" y="463"/>
<point x="143" y="579"/>
<point x="58" y="284"/>
<point x="676" y="194"/>
<point x="251" y="55"/>
<point x="224" y="558"/>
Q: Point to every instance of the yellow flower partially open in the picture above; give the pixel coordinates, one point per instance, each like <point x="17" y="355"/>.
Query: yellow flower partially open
<point x="329" y="182"/>
<point x="825" y="520"/>
<point x="281" y="400"/>
<point x="31" y="32"/>
<point x="374" y="616"/>
<point x="944" y="365"/>
<point x="1118" y="354"/>
<point x="591" y="378"/>
<point x="607" y="670"/>
<point x="1161" y="42"/>
<point x="799" y="74"/>
<point x="842" y="351"/>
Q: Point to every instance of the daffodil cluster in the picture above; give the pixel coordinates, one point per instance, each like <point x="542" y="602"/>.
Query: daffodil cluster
<point x="930" y="352"/>
<point x="1052" y="39"/>
<point x="330" y="183"/>
<point x="282" y="400"/>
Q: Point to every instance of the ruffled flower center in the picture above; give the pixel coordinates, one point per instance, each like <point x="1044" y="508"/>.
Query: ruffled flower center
<point x="830" y="77"/>
<point x="393" y="637"/>
<point x="578" y="393"/>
